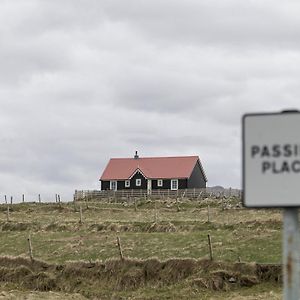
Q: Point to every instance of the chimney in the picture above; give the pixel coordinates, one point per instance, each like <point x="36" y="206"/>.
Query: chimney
<point x="136" y="155"/>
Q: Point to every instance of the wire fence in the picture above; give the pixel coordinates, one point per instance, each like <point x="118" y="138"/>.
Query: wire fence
<point x="37" y="198"/>
<point x="91" y="195"/>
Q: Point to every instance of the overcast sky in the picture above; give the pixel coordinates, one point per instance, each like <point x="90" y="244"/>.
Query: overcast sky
<point x="83" y="81"/>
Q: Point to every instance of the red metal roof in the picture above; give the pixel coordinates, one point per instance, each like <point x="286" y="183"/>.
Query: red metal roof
<point x="151" y="167"/>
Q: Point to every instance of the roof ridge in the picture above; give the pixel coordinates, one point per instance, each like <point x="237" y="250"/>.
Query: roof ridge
<point x="151" y="157"/>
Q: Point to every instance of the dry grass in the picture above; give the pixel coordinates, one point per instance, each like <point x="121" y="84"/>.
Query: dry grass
<point x="91" y="278"/>
<point x="177" y="238"/>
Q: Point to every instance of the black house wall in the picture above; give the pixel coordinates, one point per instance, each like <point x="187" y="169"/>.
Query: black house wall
<point x="197" y="179"/>
<point x="182" y="184"/>
<point x="105" y="185"/>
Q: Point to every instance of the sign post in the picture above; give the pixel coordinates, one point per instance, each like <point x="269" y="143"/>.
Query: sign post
<point x="291" y="253"/>
<point x="271" y="179"/>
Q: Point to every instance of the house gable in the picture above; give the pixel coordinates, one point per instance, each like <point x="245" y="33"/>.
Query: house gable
<point x="197" y="178"/>
<point x="138" y="170"/>
<point x="138" y="175"/>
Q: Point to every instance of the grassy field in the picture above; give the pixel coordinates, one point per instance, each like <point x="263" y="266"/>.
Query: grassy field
<point x="164" y="243"/>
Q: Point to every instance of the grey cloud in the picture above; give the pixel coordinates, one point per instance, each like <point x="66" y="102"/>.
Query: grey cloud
<point x="40" y="17"/>
<point x="231" y="23"/>
<point x="21" y="59"/>
<point x="166" y="92"/>
<point x="80" y="83"/>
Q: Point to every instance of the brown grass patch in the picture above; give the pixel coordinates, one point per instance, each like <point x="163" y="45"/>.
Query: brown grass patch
<point x="131" y="274"/>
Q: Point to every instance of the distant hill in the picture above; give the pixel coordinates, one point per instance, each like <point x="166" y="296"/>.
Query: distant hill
<point x="217" y="188"/>
<point x="226" y="191"/>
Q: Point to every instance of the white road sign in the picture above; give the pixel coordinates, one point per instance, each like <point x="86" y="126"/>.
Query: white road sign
<point x="271" y="160"/>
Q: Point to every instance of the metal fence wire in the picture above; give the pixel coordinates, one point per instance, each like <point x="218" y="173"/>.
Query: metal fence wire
<point x="203" y="193"/>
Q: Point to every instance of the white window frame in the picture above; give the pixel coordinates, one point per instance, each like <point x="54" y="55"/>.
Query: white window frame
<point x="127" y="183"/>
<point x="138" y="182"/>
<point x="172" y="182"/>
<point x="111" y="183"/>
<point x="159" y="182"/>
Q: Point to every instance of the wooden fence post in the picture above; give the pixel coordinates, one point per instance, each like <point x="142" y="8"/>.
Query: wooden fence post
<point x="23" y="198"/>
<point x="7" y="213"/>
<point x="155" y="212"/>
<point x="135" y="204"/>
<point x="200" y="193"/>
<point x="208" y="214"/>
<point x="74" y="204"/>
<point x="80" y="210"/>
<point x="30" y="248"/>
<point x="177" y="205"/>
<point x="210" y="247"/>
<point x="11" y="199"/>
<point x="120" y="248"/>
<point x="5" y="199"/>
<point x="40" y="198"/>
<point x="223" y="217"/>
<point x="59" y="202"/>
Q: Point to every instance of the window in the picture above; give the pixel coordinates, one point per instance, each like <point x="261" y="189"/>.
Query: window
<point x="159" y="182"/>
<point x="138" y="182"/>
<point x="127" y="183"/>
<point x="174" y="184"/>
<point x="113" y="185"/>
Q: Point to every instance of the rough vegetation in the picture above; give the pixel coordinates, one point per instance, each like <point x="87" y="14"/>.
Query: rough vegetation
<point x="89" y="278"/>
<point x="163" y="251"/>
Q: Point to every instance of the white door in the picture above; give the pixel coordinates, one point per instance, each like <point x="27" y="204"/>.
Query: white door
<point x="149" y="186"/>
